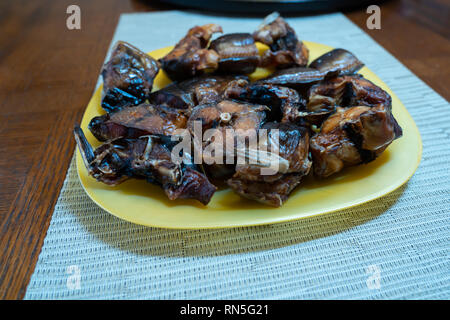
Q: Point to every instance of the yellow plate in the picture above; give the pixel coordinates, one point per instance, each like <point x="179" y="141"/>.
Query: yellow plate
<point x="142" y="203"/>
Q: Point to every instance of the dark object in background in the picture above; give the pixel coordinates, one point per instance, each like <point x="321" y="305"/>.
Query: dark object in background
<point x="267" y="6"/>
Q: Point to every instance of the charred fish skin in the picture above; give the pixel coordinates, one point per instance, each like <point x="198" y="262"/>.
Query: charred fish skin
<point x="115" y="99"/>
<point x="127" y="77"/>
<point x="285" y="49"/>
<point x="149" y="158"/>
<point x="173" y="96"/>
<point x="136" y="121"/>
<point x="284" y="103"/>
<point x="298" y="77"/>
<point x="337" y="62"/>
<point x="238" y="53"/>
<point x="190" y="57"/>
<point x="103" y="130"/>
<point x="352" y="136"/>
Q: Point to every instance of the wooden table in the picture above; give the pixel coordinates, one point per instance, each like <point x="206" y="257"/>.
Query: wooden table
<point x="48" y="73"/>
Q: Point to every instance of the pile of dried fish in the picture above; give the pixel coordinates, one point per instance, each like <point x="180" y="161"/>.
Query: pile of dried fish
<point x="321" y="116"/>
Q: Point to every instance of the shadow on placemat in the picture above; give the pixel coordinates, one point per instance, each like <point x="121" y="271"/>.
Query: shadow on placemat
<point x="143" y="240"/>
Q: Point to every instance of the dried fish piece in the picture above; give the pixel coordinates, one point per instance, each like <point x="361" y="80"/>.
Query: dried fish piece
<point x="228" y="114"/>
<point x="285" y="50"/>
<point x="292" y="145"/>
<point x="273" y="194"/>
<point x="232" y="120"/>
<point x="199" y="90"/>
<point x="298" y="77"/>
<point x="337" y="62"/>
<point x="127" y="77"/>
<point x="346" y="91"/>
<point x="149" y="158"/>
<point x="238" y="53"/>
<point x="190" y="56"/>
<point x="352" y="136"/>
<point x="137" y="121"/>
<point x="284" y="103"/>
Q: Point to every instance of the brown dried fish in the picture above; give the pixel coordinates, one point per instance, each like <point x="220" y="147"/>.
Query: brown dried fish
<point x="238" y="53"/>
<point x="148" y="158"/>
<point x="337" y="62"/>
<point x="127" y="77"/>
<point x="274" y="189"/>
<point x="190" y="56"/>
<point x="285" y="49"/>
<point x="137" y="121"/>
<point x="346" y="91"/>
<point x="352" y="136"/>
<point x="199" y="90"/>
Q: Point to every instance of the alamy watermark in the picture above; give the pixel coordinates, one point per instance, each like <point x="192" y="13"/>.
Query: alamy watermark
<point x="374" y="20"/>
<point x="373" y="282"/>
<point x="73" y="21"/>
<point x="74" y="279"/>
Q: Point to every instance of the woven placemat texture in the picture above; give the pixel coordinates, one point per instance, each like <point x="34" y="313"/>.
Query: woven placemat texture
<point x="394" y="247"/>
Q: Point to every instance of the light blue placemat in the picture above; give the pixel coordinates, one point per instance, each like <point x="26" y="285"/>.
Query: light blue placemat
<point x="394" y="247"/>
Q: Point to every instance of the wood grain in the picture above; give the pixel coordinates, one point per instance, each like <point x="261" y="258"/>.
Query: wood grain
<point x="48" y="73"/>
